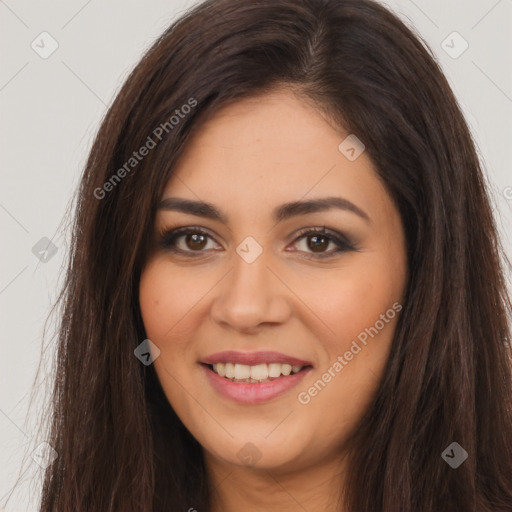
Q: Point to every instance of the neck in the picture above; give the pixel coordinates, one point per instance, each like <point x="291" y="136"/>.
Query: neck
<point x="313" y="488"/>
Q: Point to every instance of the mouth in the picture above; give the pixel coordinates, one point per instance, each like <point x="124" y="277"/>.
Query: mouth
<point x="264" y="372"/>
<point x="253" y="378"/>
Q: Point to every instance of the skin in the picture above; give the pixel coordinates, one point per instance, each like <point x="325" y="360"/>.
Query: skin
<point x="247" y="159"/>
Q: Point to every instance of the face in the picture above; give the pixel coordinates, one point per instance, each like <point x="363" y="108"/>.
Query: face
<point x="274" y="311"/>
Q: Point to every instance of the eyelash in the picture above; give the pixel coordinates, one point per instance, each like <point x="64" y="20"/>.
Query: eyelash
<point x="168" y="239"/>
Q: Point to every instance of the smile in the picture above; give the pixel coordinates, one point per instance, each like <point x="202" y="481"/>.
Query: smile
<point x="257" y="373"/>
<point x="253" y="378"/>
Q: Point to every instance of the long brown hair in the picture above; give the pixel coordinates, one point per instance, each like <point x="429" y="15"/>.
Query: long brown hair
<point x="448" y="378"/>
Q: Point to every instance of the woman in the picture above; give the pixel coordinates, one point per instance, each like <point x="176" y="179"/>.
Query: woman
<point x="285" y="287"/>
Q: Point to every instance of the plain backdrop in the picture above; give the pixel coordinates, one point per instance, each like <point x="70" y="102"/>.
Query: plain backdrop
<point x="51" y="108"/>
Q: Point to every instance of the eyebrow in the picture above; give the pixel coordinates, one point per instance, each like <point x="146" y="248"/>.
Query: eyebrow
<point x="280" y="213"/>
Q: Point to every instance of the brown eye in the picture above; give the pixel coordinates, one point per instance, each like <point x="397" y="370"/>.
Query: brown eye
<point x="187" y="240"/>
<point x="195" y="241"/>
<point x="318" y="243"/>
<point x="315" y="243"/>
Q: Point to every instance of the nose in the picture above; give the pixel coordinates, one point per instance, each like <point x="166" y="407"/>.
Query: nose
<point x="250" y="297"/>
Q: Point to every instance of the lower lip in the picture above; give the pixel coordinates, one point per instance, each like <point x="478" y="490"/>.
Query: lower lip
<point x="254" y="393"/>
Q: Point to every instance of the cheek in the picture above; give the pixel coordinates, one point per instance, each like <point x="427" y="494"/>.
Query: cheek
<point x="167" y="296"/>
<point x="358" y="306"/>
<point x="351" y="299"/>
<point x="166" y="301"/>
<point x="157" y="304"/>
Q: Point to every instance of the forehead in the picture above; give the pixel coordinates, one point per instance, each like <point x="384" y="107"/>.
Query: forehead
<point x="257" y="133"/>
<point x="267" y="150"/>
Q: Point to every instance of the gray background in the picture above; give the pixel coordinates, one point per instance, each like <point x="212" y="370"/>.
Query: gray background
<point x="51" y="109"/>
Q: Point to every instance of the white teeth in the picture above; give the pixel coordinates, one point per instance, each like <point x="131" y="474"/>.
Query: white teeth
<point x="221" y="369"/>
<point x="242" y="371"/>
<point x="256" y="373"/>
<point x="259" y="372"/>
<point x="286" y="369"/>
<point x="274" y="370"/>
<point x="230" y="370"/>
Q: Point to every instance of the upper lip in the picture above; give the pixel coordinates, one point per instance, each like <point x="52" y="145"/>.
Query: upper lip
<point x="253" y="358"/>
